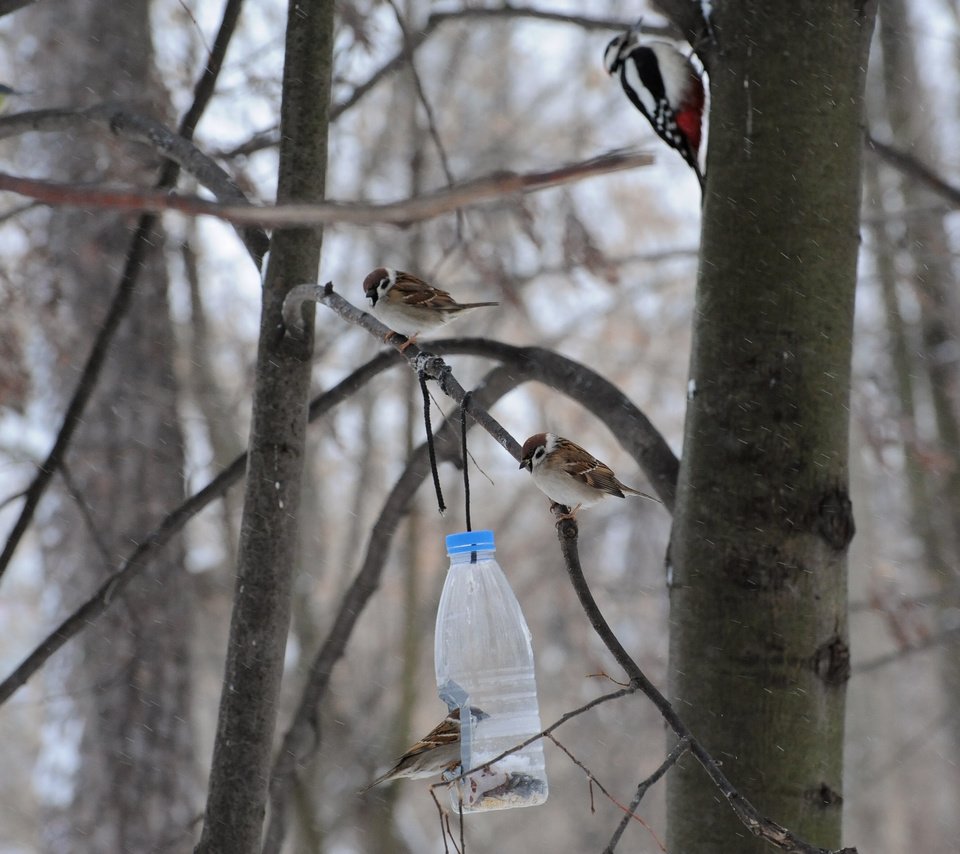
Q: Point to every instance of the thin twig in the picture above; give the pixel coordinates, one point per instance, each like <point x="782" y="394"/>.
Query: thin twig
<point x="269" y="138"/>
<point x="74" y="492"/>
<point x="927" y="643"/>
<point x="596" y="701"/>
<point x="432" y="128"/>
<point x="679" y="749"/>
<point x="911" y="166"/>
<point x="628" y="812"/>
<point x="84" y="389"/>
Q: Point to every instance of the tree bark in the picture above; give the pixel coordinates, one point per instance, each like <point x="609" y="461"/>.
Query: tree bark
<point x="128" y="678"/>
<point x="758" y="630"/>
<point x="268" y="535"/>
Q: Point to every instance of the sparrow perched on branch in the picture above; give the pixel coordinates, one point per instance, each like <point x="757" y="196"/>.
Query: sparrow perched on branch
<point x="569" y="475"/>
<point x="435" y="753"/>
<point x="409" y="305"/>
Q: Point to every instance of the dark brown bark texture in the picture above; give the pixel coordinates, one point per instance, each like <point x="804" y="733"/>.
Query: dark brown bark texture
<point x="758" y="636"/>
<point x="128" y="681"/>
<point x="269" y="530"/>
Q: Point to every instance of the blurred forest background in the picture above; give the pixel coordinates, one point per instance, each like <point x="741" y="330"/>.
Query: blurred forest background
<point x="602" y="270"/>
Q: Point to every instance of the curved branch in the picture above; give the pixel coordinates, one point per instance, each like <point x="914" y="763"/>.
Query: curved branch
<point x="403" y="212"/>
<point x="631" y="427"/>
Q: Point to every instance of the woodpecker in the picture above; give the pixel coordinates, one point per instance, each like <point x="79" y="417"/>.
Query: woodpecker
<point x="665" y="87"/>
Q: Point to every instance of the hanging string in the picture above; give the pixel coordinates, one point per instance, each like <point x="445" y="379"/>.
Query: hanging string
<point x="431" y="450"/>
<point x="466" y="467"/>
<point x="466" y="463"/>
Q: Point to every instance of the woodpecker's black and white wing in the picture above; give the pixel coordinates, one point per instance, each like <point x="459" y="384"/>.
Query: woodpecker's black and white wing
<point x="662" y="84"/>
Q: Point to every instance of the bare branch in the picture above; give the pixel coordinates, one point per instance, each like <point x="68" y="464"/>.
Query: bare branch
<point x="84" y="509"/>
<point x="928" y="643"/>
<point x="15" y="211"/>
<point x="508" y="10"/>
<point x="679" y="749"/>
<point x="913" y="168"/>
<point x="596" y="701"/>
<point x="132" y="566"/>
<point x="629" y="813"/>
<point x="404" y="212"/>
<point x="629" y="425"/>
<point x="427" y="364"/>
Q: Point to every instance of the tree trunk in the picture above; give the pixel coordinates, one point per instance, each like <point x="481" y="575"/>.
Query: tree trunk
<point x="132" y="789"/>
<point x="758" y="630"/>
<point x="268" y="535"/>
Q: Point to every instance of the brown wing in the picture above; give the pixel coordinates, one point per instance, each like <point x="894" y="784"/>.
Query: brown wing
<point x="447" y="732"/>
<point x="584" y="466"/>
<point x="416" y="293"/>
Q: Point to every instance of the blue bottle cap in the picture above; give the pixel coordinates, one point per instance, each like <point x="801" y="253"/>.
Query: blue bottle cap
<point x="470" y="541"/>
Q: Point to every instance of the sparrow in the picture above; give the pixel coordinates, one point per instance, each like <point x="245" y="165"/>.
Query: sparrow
<point x="409" y="305"/>
<point x="569" y="475"/>
<point x="437" y="752"/>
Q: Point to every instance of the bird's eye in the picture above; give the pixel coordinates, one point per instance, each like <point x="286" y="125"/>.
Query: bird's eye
<point x="538" y="454"/>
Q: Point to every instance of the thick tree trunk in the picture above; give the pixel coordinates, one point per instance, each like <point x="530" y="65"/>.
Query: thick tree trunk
<point x="129" y="682"/>
<point x="758" y="630"/>
<point x="269" y="530"/>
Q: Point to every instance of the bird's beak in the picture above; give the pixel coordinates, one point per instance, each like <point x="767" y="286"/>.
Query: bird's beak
<point x="526" y="464"/>
<point x="372" y="296"/>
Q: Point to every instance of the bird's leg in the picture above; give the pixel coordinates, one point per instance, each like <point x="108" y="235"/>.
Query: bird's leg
<point x="562" y="512"/>
<point x="411" y="339"/>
